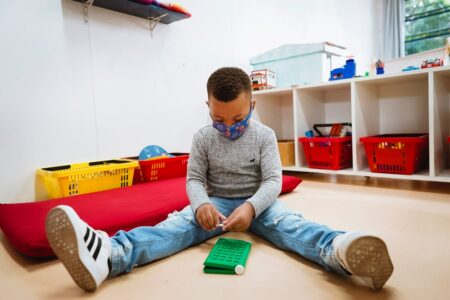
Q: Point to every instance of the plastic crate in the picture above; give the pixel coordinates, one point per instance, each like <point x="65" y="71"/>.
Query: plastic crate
<point x="83" y="178"/>
<point x="396" y="153"/>
<point x="332" y="153"/>
<point x="164" y="168"/>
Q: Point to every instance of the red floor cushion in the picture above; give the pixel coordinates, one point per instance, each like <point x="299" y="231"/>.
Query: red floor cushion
<point x="145" y="204"/>
<point x="289" y="184"/>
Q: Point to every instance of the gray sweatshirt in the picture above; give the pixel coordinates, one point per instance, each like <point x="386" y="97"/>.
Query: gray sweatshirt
<point x="248" y="167"/>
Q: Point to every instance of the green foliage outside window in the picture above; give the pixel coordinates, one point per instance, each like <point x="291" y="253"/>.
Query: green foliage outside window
<point x="427" y="24"/>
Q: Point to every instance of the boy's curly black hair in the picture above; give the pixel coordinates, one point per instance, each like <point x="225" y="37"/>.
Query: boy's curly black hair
<point x="227" y="83"/>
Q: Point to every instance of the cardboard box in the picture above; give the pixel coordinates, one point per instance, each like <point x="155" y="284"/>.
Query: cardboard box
<point x="287" y="152"/>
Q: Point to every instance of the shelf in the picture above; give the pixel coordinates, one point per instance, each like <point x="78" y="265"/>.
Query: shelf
<point x="145" y="11"/>
<point x="273" y="92"/>
<point x="348" y="171"/>
<point x="409" y="102"/>
<point x="443" y="176"/>
<point x="389" y="105"/>
<point x="318" y="104"/>
<point x="441" y="123"/>
<point x="323" y="86"/>
<point x="386" y="100"/>
<point x="394" y="78"/>
<point x="421" y="175"/>
<point x="274" y="108"/>
<point x="324" y="104"/>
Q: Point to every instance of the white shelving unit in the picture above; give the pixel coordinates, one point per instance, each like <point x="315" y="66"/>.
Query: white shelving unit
<point x="440" y="109"/>
<point x="410" y="102"/>
<point x="274" y="108"/>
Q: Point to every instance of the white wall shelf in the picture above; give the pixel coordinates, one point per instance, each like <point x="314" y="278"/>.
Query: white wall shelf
<point x="409" y="102"/>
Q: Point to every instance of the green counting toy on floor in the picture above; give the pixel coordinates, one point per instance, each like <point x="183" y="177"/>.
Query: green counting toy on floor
<point x="228" y="256"/>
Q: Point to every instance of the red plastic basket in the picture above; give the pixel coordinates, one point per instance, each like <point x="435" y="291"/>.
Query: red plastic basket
<point x="332" y="153"/>
<point x="164" y="168"/>
<point x="396" y="153"/>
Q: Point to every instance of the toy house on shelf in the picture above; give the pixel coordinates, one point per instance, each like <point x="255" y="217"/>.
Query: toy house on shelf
<point x="263" y="79"/>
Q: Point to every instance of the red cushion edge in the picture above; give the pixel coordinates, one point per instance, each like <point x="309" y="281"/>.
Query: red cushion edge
<point x="289" y="183"/>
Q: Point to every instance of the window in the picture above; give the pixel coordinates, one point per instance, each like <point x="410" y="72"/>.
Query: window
<point x="427" y="24"/>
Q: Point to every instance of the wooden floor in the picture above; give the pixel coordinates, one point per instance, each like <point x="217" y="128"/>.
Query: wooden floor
<point x="413" y="218"/>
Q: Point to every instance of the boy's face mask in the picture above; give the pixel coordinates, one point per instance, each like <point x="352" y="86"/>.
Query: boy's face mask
<point x="236" y="130"/>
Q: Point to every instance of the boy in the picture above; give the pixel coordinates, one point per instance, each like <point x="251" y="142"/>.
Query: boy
<point x="234" y="178"/>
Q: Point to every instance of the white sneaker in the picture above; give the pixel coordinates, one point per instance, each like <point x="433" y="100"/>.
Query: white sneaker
<point x="364" y="256"/>
<point x="84" y="251"/>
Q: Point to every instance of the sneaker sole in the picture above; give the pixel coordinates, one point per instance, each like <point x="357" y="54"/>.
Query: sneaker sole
<point x="62" y="238"/>
<point x="369" y="257"/>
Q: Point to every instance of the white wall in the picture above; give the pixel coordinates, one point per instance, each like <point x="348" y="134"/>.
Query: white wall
<point x="72" y="92"/>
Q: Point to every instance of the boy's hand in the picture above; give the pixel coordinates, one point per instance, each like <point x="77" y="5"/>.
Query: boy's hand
<point x="208" y="217"/>
<point x="240" y="219"/>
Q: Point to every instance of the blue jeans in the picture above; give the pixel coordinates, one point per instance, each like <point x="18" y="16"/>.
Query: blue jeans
<point x="277" y="224"/>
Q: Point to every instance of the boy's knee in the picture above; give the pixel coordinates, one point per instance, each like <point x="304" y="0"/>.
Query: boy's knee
<point x="287" y="216"/>
<point x="189" y="217"/>
<point x="277" y="212"/>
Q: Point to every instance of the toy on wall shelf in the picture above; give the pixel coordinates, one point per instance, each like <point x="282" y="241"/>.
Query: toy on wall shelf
<point x="263" y="79"/>
<point x="410" y="68"/>
<point x="167" y="5"/>
<point x="432" y="62"/>
<point x="380" y="67"/>
<point x="347" y="71"/>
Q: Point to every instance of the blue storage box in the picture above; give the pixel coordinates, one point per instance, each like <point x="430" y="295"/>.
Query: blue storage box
<point x="296" y="64"/>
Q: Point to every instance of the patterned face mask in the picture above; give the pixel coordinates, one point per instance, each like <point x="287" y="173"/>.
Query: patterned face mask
<point x="234" y="131"/>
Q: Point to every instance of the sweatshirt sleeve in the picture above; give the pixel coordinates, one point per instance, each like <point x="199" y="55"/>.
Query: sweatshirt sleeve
<point x="271" y="173"/>
<point x="196" y="174"/>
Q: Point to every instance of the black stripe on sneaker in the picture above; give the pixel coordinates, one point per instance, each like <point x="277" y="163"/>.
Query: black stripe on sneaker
<point x="86" y="235"/>
<point x="91" y="242"/>
<point x="97" y="249"/>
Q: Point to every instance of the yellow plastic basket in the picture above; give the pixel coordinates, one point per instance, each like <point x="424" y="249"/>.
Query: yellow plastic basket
<point x="83" y="178"/>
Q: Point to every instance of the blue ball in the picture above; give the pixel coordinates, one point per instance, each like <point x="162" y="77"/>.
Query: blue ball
<point x="152" y="151"/>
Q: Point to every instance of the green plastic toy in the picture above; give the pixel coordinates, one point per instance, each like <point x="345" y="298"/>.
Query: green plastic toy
<point x="228" y="256"/>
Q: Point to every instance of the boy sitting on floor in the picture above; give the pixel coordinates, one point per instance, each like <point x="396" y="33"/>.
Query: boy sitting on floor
<point x="233" y="180"/>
